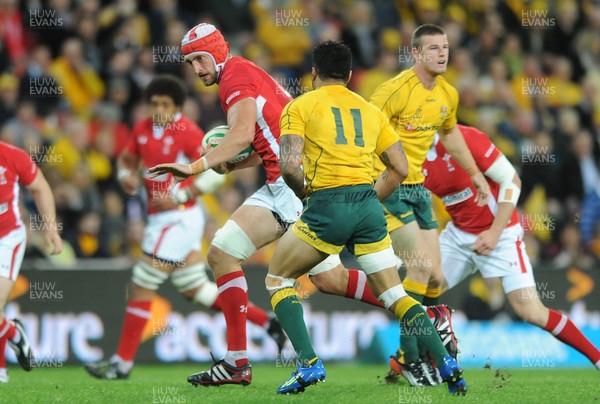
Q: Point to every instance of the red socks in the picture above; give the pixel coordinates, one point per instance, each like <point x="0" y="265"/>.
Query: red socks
<point x="256" y="315"/>
<point x="564" y="330"/>
<point x="137" y="315"/>
<point x="233" y="297"/>
<point x="7" y="331"/>
<point x="358" y="288"/>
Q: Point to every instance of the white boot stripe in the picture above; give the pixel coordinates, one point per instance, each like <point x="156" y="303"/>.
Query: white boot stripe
<point x="222" y="372"/>
<point x="217" y="373"/>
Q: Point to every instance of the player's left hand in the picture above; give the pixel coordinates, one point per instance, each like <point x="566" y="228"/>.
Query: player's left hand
<point x="179" y="171"/>
<point x="486" y="242"/>
<point x="483" y="189"/>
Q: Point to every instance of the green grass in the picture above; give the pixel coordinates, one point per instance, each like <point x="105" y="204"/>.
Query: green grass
<point x="345" y="384"/>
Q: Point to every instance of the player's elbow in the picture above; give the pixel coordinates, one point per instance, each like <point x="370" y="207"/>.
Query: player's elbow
<point x="289" y="165"/>
<point x="288" y="174"/>
<point x="517" y="180"/>
<point x="401" y="171"/>
<point x="245" y="137"/>
<point x="240" y="136"/>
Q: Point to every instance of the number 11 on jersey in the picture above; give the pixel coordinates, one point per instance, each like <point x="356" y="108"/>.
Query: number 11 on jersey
<point x="339" y="127"/>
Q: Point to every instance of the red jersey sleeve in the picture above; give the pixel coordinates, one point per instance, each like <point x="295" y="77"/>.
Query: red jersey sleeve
<point x="483" y="150"/>
<point x="240" y="85"/>
<point x="25" y="168"/>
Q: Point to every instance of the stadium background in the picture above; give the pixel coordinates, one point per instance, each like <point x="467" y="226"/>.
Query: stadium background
<point x="71" y="87"/>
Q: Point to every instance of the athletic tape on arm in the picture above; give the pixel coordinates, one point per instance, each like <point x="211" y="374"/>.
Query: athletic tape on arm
<point x="502" y="172"/>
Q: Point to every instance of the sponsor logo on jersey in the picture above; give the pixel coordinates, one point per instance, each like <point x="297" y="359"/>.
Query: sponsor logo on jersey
<point x="3" y="208"/>
<point x="458" y="197"/>
<point x="231" y="97"/>
<point x="423" y="128"/>
<point x="2" y="175"/>
<point x="489" y="151"/>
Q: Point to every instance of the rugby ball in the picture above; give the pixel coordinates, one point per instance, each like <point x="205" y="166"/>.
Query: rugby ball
<point x="213" y="138"/>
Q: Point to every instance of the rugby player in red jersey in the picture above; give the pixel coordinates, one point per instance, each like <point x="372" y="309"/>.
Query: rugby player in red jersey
<point x="489" y="238"/>
<point x="173" y="235"/>
<point x="16" y="168"/>
<point x="253" y="102"/>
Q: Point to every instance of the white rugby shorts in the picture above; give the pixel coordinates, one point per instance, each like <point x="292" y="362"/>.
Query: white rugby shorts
<point x="278" y="198"/>
<point x="508" y="260"/>
<point x="174" y="234"/>
<point x="12" y="250"/>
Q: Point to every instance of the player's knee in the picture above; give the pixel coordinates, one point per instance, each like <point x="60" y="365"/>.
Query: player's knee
<point x="220" y="261"/>
<point x="189" y="278"/>
<point x="378" y="261"/>
<point x="212" y="256"/>
<point x="206" y="294"/>
<point x="275" y="284"/>
<point x="330" y="276"/>
<point x="146" y="276"/>
<point x="230" y="243"/>
<point x="436" y="280"/>
<point x="325" y="283"/>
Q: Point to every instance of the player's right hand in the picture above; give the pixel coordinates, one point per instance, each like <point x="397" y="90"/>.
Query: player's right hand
<point x="483" y="189"/>
<point x="54" y="242"/>
<point x="179" y="171"/>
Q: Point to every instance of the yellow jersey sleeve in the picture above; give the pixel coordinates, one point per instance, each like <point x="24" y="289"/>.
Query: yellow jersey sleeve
<point x="387" y="137"/>
<point x="452" y="97"/>
<point x="292" y="120"/>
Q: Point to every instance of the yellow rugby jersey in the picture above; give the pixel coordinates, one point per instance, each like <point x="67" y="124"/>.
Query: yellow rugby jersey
<point x="416" y="114"/>
<point x="341" y="131"/>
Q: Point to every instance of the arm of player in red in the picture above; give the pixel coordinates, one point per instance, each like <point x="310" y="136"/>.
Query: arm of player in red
<point x="241" y="119"/>
<point x="454" y="143"/>
<point x="504" y="174"/>
<point x="44" y="202"/>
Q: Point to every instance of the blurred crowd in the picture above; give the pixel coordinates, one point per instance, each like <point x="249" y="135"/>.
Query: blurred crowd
<point x="73" y="72"/>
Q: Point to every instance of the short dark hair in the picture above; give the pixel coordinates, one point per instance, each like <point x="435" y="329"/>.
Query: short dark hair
<point x="169" y="85"/>
<point x="332" y="60"/>
<point x="426" y="29"/>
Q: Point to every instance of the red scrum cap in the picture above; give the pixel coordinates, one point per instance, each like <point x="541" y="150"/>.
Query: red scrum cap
<point x="206" y="39"/>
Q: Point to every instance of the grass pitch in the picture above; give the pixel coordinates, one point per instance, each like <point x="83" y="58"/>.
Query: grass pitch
<point x="346" y="383"/>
